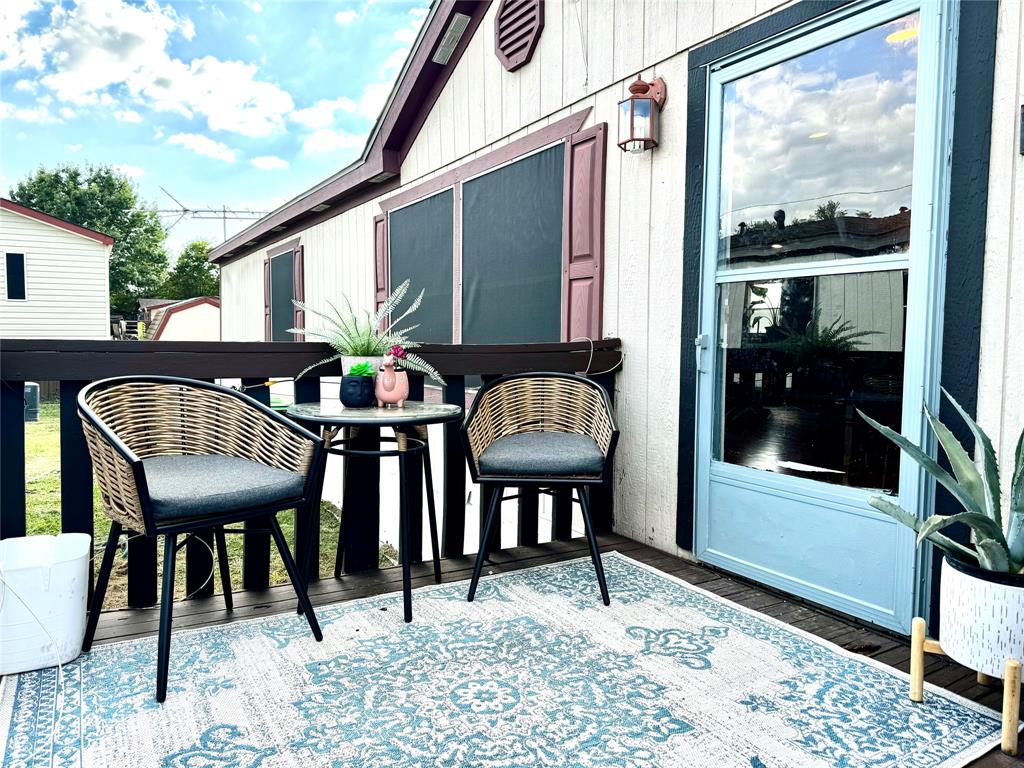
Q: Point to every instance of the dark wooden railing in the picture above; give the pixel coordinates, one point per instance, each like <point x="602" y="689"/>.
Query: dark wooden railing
<point x="76" y="363"/>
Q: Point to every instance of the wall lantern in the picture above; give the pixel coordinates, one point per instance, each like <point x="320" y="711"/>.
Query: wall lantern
<point x="638" y="115"/>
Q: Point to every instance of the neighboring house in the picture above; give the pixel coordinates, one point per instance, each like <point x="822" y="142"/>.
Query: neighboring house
<point x="196" y="319"/>
<point x="54" y="280"/>
<point x="759" y="264"/>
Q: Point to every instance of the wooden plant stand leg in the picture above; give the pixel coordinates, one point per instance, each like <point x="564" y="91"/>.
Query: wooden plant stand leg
<point x="917" y="638"/>
<point x="984" y="679"/>
<point x="1011" y="706"/>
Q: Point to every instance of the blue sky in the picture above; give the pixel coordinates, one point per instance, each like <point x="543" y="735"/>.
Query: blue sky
<point x="243" y="104"/>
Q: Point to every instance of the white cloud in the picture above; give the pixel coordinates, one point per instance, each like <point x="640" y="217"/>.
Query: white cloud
<point x="255" y="7"/>
<point x="330" y="140"/>
<point x="27" y="86"/>
<point x="345" y="17"/>
<point x="269" y="162"/>
<point x="203" y="145"/>
<point x="67" y="113"/>
<point x="39" y="114"/>
<point x="14" y="52"/>
<point x="104" y="44"/>
<point x="321" y="114"/>
<point x="131" y="171"/>
<point x="252" y="39"/>
<point x="158" y="134"/>
<point x="73" y="147"/>
<point x="419" y="13"/>
<point x="406" y="35"/>
<point x="127" y="116"/>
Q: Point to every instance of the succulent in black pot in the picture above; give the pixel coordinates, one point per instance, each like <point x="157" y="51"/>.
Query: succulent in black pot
<point x="357" y="386"/>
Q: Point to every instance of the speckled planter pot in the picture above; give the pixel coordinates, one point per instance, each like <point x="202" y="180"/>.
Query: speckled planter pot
<point x="347" y="361"/>
<point x="981" y="623"/>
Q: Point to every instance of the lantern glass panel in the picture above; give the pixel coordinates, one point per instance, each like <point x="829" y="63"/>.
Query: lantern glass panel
<point x="642" y="119"/>
<point x="625" y="120"/>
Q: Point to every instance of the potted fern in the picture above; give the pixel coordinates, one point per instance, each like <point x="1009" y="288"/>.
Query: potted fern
<point x="365" y="338"/>
<point x="981" y="624"/>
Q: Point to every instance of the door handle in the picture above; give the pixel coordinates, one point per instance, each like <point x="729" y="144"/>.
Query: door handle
<point x="700" y="343"/>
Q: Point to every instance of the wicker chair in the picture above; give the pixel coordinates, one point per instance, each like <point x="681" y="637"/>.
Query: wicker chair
<point x="176" y="457"/>
<point x="540" y="430"/>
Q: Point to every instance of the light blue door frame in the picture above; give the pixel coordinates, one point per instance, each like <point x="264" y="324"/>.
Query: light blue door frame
<point x="821" y="541"/>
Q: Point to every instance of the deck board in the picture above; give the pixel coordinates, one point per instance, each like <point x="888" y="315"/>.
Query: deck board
<point x="878" y="644"/>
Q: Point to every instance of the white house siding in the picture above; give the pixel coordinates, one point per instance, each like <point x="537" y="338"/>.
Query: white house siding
<point x="65" y="281"/>
<point x="1001" y="374"/>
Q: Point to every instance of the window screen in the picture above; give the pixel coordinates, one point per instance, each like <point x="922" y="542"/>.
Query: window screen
<point x="512" y="252"/>
<point x="421" y="250"/>
<point x="281" y="292"/>
<point x="15" y="271"/>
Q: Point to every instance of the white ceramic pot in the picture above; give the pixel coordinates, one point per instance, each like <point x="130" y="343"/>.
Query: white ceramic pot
<point x="981" y="620"/>
<point x="347" y="361"/>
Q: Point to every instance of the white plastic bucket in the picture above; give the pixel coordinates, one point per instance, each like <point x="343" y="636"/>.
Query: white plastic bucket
<point x="45" y="581"/>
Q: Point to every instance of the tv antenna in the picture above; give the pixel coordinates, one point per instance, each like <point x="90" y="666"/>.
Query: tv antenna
<point x="223" y="213"/>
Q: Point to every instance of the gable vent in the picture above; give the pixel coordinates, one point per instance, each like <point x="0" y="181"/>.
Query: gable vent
<point x="451" y="38"/>
<point x="517" y="28"/>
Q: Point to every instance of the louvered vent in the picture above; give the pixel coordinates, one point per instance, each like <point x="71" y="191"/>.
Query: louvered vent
<point x="517" y="29"/>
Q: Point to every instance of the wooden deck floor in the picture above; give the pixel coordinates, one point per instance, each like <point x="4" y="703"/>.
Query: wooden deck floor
<point x="888" y="648"/>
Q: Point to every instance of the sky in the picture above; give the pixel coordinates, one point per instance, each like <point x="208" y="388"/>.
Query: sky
<point x="234" y="103"/>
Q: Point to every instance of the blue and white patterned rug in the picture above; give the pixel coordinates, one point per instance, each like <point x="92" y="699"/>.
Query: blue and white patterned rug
<point x="537" y="672"/>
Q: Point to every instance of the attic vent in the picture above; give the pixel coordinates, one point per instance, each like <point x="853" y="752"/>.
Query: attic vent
<point x="321" y="207"/>
<point x="517" y="29"/>
<point x="451" y="38"/>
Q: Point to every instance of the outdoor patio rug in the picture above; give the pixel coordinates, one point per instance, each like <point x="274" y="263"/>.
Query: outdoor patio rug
<point x="537" y="672"/>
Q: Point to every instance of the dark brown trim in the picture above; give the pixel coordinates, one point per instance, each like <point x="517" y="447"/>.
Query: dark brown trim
<point x="175" y="308"/>
<point x="46" y="218"/>
<point x="277" y="250"/>
<point x="549" y="134"/>
<point x="382" y="158"/>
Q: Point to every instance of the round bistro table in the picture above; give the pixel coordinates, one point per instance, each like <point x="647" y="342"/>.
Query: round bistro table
<point x="410" y="439"/>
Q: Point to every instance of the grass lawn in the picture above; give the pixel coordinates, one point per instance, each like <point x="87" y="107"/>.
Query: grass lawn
<point x="42" y="499"/>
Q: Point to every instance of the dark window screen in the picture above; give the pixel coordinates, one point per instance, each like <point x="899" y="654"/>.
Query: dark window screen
<point x="281" y="309"/>
<point x="421" y="251"/>
<point x="512" y="252"/>
<point x="15" y="270"/>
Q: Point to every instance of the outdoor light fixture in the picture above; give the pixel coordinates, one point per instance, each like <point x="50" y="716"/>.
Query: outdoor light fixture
<point x="638" y="115"/>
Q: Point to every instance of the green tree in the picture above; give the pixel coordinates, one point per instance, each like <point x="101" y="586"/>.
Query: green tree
<point x="828" y="210"/>
<point x="193" y="274"/>
<point x="100" y="198"/>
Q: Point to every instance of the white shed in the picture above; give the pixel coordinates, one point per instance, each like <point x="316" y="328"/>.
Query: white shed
<point x="53" y="277"/>
<point x="196" y="319"/>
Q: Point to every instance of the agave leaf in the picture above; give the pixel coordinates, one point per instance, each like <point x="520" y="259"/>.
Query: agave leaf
<point x="984" y="527"/>
<point x="963" y="465"/>
<point x="1015" y="534"/>
<point x="946" y="544"/>
<point x="989" y="465"/>
<point x="928" y="463"/>
<point x="315" y="365"/>
<point x="992" y="555"/>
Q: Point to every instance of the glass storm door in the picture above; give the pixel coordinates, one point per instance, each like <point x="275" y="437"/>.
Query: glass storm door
<point x="818" y="300"/>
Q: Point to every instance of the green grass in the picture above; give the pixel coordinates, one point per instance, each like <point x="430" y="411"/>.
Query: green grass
<point x="42" y="500"/>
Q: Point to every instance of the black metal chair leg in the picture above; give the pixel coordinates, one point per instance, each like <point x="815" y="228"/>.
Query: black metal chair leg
<point x="102" y="579"/>
<point x="595" y="553"/>
<point x="293" y="573"/>
<point x="403" y="536"/>
<point x="481" y="555"/>
<point x="225" y="566"/>
<point x="432" y="514"/>
<point x="163" y="652"/>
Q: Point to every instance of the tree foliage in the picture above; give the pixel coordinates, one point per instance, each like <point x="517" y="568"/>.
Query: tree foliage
<point x="193" y="274"/>
<point x="100" y="198"/>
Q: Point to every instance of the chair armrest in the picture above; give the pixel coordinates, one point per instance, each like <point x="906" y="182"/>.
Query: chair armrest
<point x="118" y="472"/>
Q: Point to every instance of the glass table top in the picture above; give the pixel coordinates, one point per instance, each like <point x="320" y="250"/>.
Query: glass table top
<point x="414" y="412"/>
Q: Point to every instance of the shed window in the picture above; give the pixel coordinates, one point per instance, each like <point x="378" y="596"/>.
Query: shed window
<point x="281" y="292"/>
<point x="15" y="276"/>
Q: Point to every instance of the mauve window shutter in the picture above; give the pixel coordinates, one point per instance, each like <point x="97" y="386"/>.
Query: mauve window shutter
<point x="380" y="259"/>
<point x="299" y="289"/>
<point x="583" y="234"/>
<point x="266" y="300"/>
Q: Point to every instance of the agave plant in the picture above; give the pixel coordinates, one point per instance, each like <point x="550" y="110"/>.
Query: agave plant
<point x="976" y="487"/>
<point x="365" y="335"/>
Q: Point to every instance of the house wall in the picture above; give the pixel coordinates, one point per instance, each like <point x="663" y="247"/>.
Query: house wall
<point x="1001" y="371"/>
<point x="198" y="323"/>
<point x="65" y="280"/>
<point x="588" y="54"/>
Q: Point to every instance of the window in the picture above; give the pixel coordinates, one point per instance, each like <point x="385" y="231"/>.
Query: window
<point x="283" y="284"/>
<point x="14" y="266"/>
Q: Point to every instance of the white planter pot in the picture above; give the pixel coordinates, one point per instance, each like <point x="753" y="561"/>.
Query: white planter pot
<point x="981" y="622"/>
<point x="347" y="361"/>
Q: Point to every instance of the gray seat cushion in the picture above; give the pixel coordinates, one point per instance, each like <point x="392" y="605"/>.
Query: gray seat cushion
<point x="547" y="454"/>
<point x="181" y="487"/>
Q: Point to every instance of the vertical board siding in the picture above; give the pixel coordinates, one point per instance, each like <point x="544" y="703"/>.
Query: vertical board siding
<point x="1001" y="370"/>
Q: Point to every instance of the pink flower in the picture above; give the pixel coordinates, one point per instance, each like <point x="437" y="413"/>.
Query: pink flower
<point x="398" y="352"/>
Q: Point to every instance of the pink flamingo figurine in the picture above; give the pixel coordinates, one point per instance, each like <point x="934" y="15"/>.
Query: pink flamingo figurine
<point x="392" y="386"/>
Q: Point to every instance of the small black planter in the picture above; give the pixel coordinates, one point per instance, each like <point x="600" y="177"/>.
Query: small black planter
<point x="357" y="391"/>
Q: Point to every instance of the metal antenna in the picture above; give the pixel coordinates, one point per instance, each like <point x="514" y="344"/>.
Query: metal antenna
<point x="223" y="213"/>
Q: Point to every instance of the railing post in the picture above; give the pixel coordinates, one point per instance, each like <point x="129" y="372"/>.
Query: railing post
<point x="601" y="496"/>
<point x="529" y="512"/>
<point x="141" y="570"/>
<point x="453" y="525"/>
<point x="256" y="545"/>
<point x="76" y="512"/>
<point x="561" y="514"/>
<point x="360" y="515"/>
<point x="12" y="463"/>
<point x="307" y="390"/>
